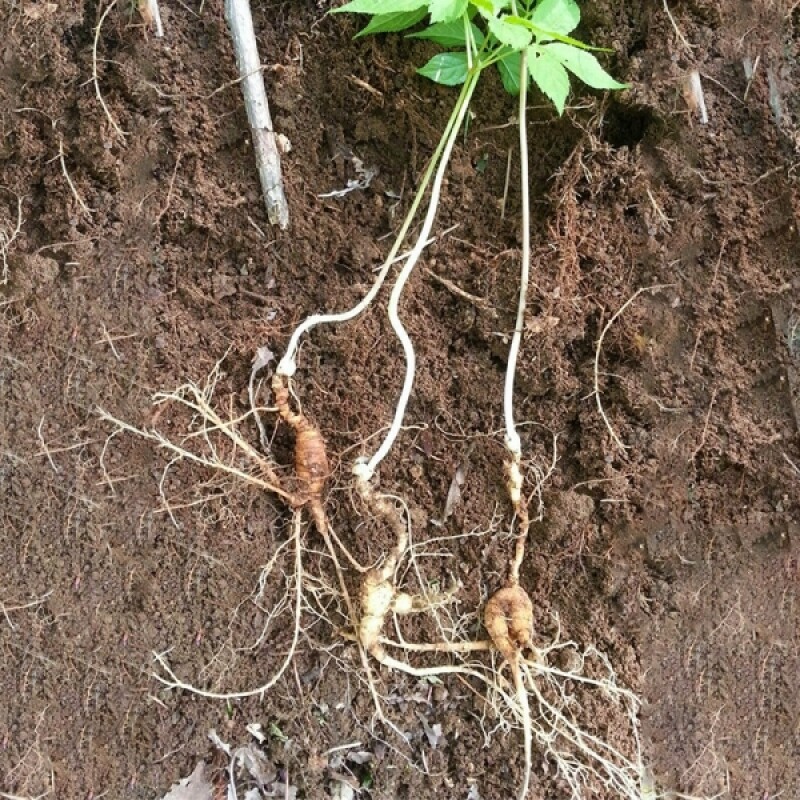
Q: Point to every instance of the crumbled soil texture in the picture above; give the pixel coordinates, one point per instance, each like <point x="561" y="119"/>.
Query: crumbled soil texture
<point x="142" y="260"/>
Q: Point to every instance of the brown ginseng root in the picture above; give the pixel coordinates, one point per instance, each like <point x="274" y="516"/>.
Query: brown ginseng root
<point x="583" y="759"/>
<point x="508" y="618"/>
<point x="310" y="459"/>
<point x="216" y="441"/>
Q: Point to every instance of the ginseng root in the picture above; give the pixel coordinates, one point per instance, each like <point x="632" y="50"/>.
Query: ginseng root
<point x="508" y="618"/>
<point x="379" y="593"/>
<point x="310" y="459"/>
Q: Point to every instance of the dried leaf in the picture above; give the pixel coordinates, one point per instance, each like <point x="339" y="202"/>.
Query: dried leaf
<point x="263" y="357"/>
<point x="40" y="11"/>
<point x="218" y="743"/>
<point x="254" y="728"/>
<point x="454" y="492"/>
<point x="693" y="95"/>
<point x="341" y="790"/>
<point x="433" y="733"/>
<point x="473" y="793"/>
<point x="360" y="757"/>
<point x="541" y="324"/>
<point x="363" y="180"/>
<point x="261" y="769"/>
<point x="195" y="787"/>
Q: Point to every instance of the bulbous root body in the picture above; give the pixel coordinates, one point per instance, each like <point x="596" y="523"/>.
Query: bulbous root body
<point x="379" y="593"/>
<point x="310" y="459"/>
<point x="508" y="618"/>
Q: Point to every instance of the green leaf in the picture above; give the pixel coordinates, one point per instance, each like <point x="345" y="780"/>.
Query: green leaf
<point x="447" y="10"/>
<point x="509" y="33"/>
<point x="390" y="23"/>
<point x="549" y="75"/>
<point x="558" y="16"/>
<point x="449" y="69"/>
<point x="490" y="8"/>
<point x="380" y="7"/>
<point x="543" y="35"/>
<point x="508" y="68"/>
<point x="448" y="34"/>
<point x="582" y="64"/>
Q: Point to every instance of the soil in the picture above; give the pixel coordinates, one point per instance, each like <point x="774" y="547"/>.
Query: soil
<point x="671" y="544"/>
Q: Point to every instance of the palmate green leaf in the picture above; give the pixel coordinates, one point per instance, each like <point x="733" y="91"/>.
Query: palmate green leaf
<point x="391" y="23"/>
<point x="509" y="33"/>
<point x="447" y="10"/>
<point x="449" y="69"/>
<point x="549" y="75"/>
<point x="448" y="34"/>
<point x="380" y="7"/>
<point x="581" y="64"/>
<point x="558" y="16"/>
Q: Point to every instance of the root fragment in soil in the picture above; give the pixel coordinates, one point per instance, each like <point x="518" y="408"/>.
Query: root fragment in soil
<point x="598" y="350"/>
<point x="95" y="75"/>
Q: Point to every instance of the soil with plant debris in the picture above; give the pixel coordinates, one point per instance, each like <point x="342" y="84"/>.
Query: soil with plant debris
<point x="670" y="536"/>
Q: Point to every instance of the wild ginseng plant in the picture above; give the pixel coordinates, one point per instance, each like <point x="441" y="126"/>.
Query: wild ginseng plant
<point x="527" y="41"/>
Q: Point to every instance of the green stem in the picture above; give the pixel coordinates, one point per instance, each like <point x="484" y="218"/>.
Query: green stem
<point x="512" y="437"/>
<point x="367" y="469"/>
<point x="288" y="364"/>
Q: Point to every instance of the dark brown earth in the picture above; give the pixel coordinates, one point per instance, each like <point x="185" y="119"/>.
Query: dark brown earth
<point x="678" y="556"/>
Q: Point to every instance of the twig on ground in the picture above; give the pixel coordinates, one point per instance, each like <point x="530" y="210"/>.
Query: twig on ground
<point x="681" y="37"/>
<point x="478" y="302"/>
<point x="268" y="160"/>
<point x="167" y="202"/>
<point x="45" y="449"/>
<point x="152" y="14"/>
<point x="704" y="434"/>
<point x="750" y="69"/>
<point x="694" y="95"/>
<point x="5" y="608"/>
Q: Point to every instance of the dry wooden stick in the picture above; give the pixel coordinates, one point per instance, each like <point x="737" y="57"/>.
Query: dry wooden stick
<point x="268" y="160"/>
<point x="154" y="13"/>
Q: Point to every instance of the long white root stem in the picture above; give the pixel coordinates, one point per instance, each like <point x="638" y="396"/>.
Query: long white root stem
<point x="512" y="437"/>
<point x="397" y="291"/>
<point x="288" y="364"/>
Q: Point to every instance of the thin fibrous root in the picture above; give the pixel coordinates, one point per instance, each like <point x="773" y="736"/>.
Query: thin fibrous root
<point x="95" y="76"/>
<point x="173" y="682"/>
<point x="7" y="238"/>
<point x="614" y="437"/>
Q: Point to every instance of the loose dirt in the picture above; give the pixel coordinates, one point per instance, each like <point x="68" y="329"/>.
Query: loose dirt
<point x="677" y="556"/>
